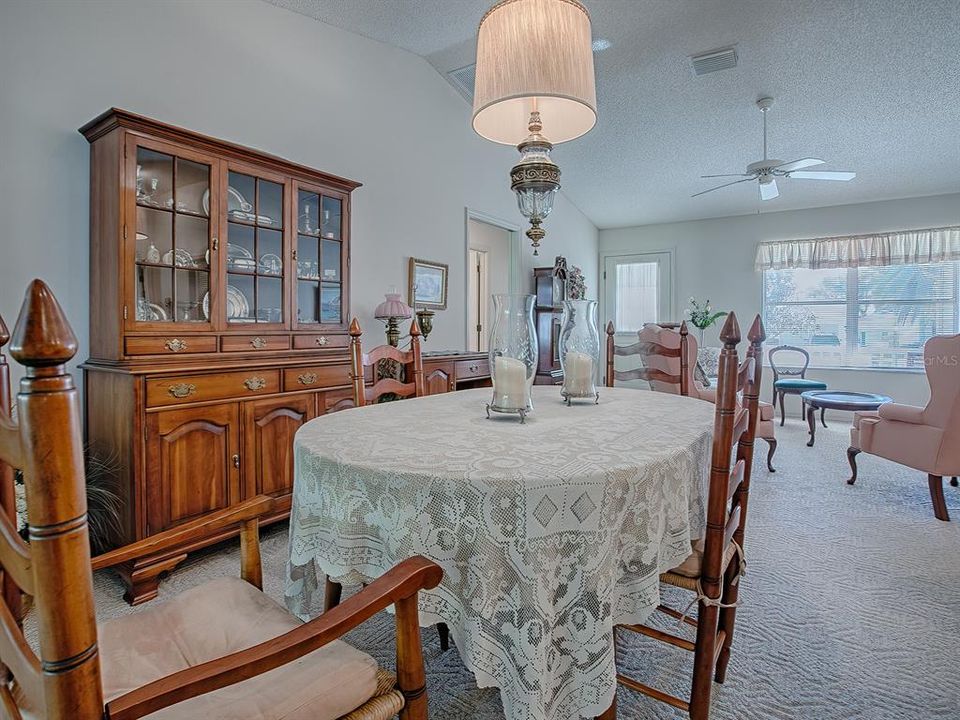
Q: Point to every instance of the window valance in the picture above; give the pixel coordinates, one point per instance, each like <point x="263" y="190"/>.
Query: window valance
<point x="904" y="247"/>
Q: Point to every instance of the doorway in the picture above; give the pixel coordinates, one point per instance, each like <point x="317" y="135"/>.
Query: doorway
<point x="492" y="268"/>
<point x="637" y="289"/>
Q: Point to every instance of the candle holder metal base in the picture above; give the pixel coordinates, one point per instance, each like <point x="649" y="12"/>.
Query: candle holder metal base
<point x="568" y="397"/>
<point x="522" y="412"/>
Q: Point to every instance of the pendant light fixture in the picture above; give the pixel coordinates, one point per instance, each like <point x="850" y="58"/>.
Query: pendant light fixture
<point x="535" y="88"/>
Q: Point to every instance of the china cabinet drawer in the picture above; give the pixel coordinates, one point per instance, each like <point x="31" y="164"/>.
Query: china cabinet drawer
<point x="318" y="376"/>
<point x="171" y="345"/>
<point x="222" y="386"/>
<point x="320" y="342"/>
<point x="467" y="369"/>
<point x="251" y="343"/>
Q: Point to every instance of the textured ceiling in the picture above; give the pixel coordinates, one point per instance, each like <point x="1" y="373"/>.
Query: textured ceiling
<point x="867" y="85"/>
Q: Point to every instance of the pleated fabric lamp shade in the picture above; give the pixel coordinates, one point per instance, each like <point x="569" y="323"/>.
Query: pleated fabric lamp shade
<point x="534" y="55"/>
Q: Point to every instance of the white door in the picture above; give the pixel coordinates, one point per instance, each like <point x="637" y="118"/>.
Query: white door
<point x="637" y="289"/>
<point x="477" y="300"/>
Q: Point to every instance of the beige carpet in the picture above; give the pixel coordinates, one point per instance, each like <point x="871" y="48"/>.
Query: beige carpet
<point x="852" y="602"/>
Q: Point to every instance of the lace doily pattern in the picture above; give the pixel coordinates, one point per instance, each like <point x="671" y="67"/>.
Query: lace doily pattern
<point x="549" y="533"/>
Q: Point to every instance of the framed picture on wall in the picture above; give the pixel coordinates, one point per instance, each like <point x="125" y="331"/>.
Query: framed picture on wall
<point x="428" y="284"/>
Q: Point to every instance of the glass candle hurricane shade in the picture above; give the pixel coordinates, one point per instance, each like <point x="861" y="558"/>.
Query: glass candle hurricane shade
<point x="579" y="347"/>
<point x="513" y="354"/>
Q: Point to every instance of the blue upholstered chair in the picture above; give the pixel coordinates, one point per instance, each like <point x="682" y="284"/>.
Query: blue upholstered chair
<point x="792" y="380"/>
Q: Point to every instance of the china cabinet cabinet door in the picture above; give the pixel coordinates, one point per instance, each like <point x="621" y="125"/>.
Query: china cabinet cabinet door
<point x="268" y="430"/>
<point x="438" y="378"/>
<point x="170" y="233"/>
<point x="321" y="257"/>
<point x="193" y="463"/>
<point x="254" y="253"/>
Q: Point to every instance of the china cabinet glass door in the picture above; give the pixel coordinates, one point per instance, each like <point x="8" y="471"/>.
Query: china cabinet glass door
<point x="254" y="250"/>
<point x="171" y="236"/>
<point x="320" y="259"/>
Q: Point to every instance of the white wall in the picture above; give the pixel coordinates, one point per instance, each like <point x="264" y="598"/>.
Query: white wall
<point x="258" y="75"/>
<point x="714" y="259"/>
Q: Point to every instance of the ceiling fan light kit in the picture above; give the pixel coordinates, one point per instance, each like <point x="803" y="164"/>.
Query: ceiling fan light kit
<point x="766" y="171"/>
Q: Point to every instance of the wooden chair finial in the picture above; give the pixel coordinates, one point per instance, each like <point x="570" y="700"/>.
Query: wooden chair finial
<point x="683" y="328"/>
<point x="757" y="333"/>
<point x="610" y="329"/>
<point x="355" y="330"/>
<point x="415" y="328"/>
<point x="4" y="333"/>
<point x="42" y="336"/>
<point x="730" y="334"/>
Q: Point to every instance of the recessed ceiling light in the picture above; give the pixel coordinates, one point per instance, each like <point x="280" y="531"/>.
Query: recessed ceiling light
<point x="600" y="44"/>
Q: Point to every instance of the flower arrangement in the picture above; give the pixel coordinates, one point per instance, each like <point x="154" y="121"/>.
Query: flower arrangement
<point x="702" y="315"/>
<point x="576" y="284"/>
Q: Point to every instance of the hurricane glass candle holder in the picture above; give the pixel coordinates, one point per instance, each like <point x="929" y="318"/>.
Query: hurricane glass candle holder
<point x="513" y="355"/>
<point x="579" y="347"/>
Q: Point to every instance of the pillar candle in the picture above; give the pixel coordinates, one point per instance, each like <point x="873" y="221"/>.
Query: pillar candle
<point x="578" y="373"/>
<point x="510" y="382"/>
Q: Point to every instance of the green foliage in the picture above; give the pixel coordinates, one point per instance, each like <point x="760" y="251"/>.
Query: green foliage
<point x="701" y="314"/>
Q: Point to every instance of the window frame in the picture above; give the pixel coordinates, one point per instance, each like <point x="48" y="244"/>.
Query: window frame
<point x="851" y="304"/>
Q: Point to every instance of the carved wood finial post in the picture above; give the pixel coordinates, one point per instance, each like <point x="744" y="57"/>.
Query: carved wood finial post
<point x="415" y="335"/>
<point x="608" y="375"/>
<point x="356" y="363"/>
<point x="684" y="360"/>
<point x="49" y="417"/>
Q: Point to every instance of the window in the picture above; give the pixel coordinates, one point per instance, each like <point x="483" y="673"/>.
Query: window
<point x="861" y="317"/>
<point x="637" y="289"/>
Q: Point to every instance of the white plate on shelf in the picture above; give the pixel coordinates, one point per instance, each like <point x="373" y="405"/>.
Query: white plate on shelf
<point x="235" y="201"/>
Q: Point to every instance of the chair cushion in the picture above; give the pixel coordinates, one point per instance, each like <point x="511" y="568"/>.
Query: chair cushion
<point x="766" y="411"/>
<point x="215" y="619"/>
<point x="692" y="566"/>
<point x="800" y="384"/>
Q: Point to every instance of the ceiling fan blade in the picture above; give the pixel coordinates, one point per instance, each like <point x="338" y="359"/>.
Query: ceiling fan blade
<point x="799" y="164"/>
<point x="727" y="175"/>
<point x="722" y="186"/>
<point x="823" y="175"/>
<point x="769" y="191"/>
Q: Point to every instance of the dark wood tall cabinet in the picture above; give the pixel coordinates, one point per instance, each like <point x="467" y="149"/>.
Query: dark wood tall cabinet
<point x="219" y="303"/>
<point x="548" y="312"/>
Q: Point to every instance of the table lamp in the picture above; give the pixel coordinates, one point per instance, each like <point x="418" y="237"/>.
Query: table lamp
<point x="393" y="309"/>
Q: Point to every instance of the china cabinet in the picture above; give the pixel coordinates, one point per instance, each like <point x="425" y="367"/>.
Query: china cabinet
<point x="219" y="302"/>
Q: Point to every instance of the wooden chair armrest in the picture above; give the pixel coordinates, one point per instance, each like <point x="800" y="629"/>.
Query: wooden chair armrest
<point x="399" y="584"/>
<point x="175" y="537"/>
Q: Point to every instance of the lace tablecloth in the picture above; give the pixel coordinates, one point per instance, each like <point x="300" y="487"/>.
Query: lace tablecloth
<point x="549" y="533"/>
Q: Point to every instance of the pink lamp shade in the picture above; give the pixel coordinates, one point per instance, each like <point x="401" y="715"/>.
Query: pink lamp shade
<point x="393" y="306"/>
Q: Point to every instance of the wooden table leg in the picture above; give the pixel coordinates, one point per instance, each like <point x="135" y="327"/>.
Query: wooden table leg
<point x="823" y="417"/>
<point x="812" y="424"/>
<point x="852" y="453"/>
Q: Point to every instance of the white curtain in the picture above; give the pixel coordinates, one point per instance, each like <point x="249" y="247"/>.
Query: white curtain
<point x="637" y="295"/>
<point x="905" y="247"/>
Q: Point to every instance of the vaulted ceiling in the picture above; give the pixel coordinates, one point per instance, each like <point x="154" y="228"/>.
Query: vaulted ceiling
<point x="867" y="85"/>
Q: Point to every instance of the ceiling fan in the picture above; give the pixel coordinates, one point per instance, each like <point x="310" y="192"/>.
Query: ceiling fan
<point x="766" y="172"/>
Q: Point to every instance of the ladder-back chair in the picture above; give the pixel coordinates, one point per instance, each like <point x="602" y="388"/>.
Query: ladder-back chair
<point x="644" y="349"/>
<point x="714" y="568"/>
<point x="156" y="663"/>
<point x="410" y="359"/>
<point x="656" y="340"/>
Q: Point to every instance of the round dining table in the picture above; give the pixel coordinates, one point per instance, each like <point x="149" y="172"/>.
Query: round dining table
<point x="549" y="533"/>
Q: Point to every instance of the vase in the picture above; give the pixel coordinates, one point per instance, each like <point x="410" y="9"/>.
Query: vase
<point x="513" y="355"/>
<point x="579" y="347"/>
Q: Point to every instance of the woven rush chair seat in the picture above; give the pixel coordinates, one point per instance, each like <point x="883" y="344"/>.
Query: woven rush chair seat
<point x="687" y="574"/>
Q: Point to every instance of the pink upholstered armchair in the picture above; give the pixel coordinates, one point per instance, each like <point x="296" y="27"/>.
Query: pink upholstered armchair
<point x="926" y="439"/>
<point x="671" y="339"/>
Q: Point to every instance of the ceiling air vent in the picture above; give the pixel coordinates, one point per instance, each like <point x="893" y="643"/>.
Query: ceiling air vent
<point x="463" y="80"/>
<point x="714" y="60"/>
